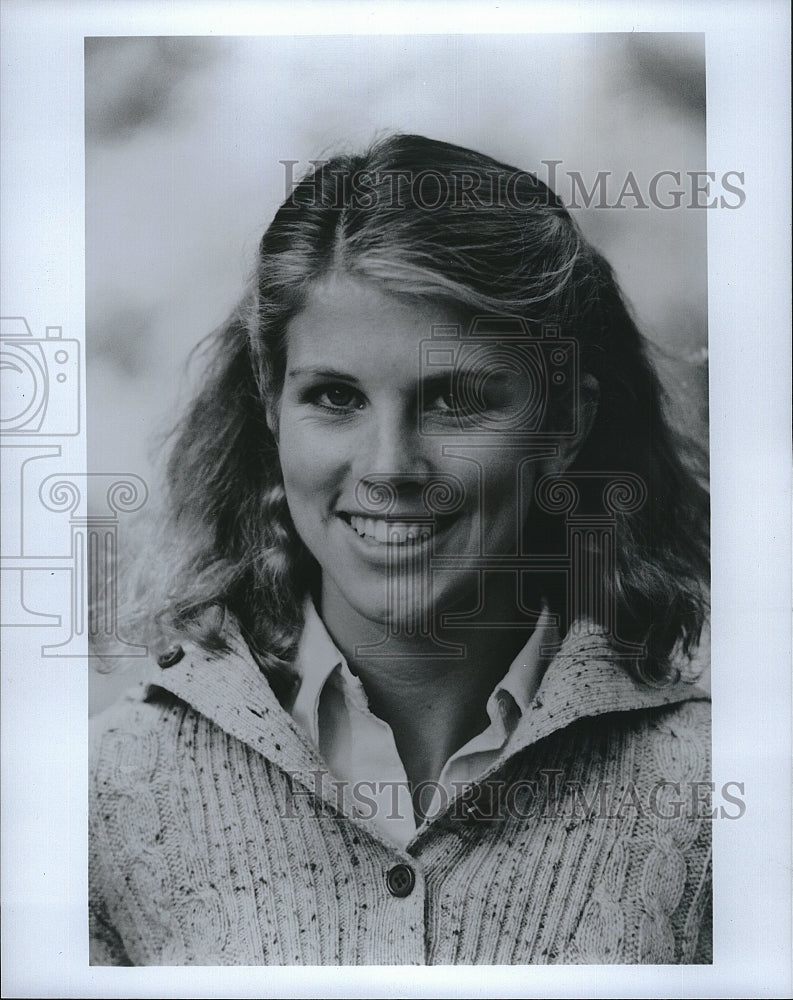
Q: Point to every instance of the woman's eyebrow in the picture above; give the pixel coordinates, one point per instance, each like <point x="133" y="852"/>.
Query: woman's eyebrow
<point x="462" y="373"/>
<point x="325" y="373"/>
<point x="435" y="377"/>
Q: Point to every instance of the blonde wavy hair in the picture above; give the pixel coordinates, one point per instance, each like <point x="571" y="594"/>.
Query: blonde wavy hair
<point x="226" y="543"/>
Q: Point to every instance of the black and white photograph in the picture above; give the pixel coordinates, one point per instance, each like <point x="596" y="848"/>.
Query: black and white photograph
<point x="376" y="507"/>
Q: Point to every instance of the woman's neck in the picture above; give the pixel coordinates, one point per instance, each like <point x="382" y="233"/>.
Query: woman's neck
<point x="432" y="690"/>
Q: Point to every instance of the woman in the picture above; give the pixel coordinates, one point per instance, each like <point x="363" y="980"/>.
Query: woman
<point x="434" y="569"/>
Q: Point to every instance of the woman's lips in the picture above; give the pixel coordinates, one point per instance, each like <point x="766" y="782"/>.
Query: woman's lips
<point x="389" y="532"/>
<point x="392" y="531"/>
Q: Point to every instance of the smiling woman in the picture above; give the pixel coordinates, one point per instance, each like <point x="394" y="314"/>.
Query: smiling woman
<point x="351" y="418"/>
<point x="435" y="572"/>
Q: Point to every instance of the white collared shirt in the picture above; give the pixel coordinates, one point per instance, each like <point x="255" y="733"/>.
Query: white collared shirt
<point x="359" y="748"/>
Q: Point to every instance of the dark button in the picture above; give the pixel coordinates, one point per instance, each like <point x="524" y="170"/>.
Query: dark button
<point x="400" y="880"/>
<point x="170" y="657"/>
<point x="473" y="804"/>
<point x="480" y="803"/>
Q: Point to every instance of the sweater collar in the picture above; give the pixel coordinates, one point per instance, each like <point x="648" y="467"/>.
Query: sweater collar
<point x="586" y="678"/>
<point x="589" y="678"/>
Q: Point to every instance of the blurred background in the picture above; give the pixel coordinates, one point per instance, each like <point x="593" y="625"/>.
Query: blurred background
<point x="183" y="141"/>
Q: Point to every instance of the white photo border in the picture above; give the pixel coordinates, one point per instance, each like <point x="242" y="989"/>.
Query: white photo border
<point x="44" y="718"/>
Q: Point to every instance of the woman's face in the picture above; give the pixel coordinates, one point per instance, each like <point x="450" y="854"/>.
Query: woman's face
<point x="365" y="403"/>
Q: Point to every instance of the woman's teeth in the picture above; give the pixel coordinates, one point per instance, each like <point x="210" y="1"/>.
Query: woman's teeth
<point x="393" y="532"/>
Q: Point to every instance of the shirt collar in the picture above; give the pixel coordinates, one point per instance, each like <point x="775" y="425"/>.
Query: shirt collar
<point x="318" y="657"/>
<point x="526" y="671"/>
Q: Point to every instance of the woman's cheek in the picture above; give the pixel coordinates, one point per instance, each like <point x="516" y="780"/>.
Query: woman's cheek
<point x="313" y="462"/>
<point x="504" y="502"/>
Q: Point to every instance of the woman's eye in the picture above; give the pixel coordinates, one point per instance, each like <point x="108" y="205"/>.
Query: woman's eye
<point x="337" y="397"/>
<point x="452" y="403"/>
<point x="447" y="401"/>
<point x="466" y="399"/>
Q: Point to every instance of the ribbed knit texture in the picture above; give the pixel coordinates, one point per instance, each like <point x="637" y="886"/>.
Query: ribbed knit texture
<point x="215" y="842"/>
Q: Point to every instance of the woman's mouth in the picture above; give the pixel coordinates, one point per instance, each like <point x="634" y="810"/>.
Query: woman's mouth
<point x="386" y="532"/>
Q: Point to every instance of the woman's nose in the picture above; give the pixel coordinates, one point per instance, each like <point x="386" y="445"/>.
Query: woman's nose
<point x="400" y="471"/>
<point x="395" y="449"/>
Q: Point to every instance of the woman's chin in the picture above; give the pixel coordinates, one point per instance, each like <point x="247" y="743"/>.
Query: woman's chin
<point x="415" y="617"/>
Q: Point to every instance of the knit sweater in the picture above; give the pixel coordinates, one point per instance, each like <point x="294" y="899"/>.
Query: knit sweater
<point x="218" y="836"/>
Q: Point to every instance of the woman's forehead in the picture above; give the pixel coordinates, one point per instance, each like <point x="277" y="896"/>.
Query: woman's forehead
<point x="346" y="316"/>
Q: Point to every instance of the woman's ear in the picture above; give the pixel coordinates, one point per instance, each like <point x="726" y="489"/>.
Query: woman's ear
<point x="569" y="446"/>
